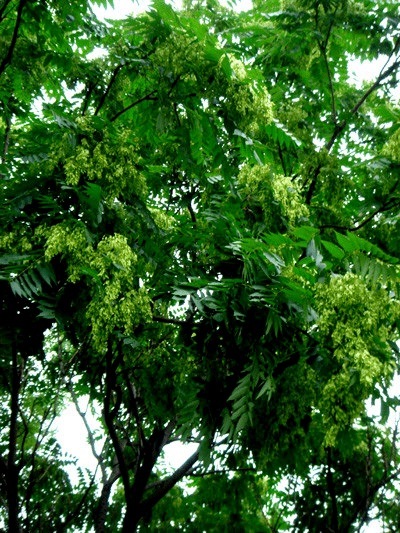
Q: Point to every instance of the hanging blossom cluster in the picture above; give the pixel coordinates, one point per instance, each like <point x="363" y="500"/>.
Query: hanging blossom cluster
<point x="111" y="270"/>
<point x="353" y="319"/>
<point x="250" y="105"/>
<point x="259" y="183"/>
<point x="113" y="163"/>
<point x="177" y="54"/>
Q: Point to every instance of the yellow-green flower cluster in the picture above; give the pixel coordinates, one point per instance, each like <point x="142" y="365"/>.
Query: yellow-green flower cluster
<point x="293" y="117"/>
<point x="112" y="163"/>
<point x="254" y="106"/>
<point x="117" y="308"/>
<point x="237" y="67"/>
<point x="162" y="219"/>
<point x="14" y="242"/>
<point x="256" y="184"/>
<point x="340" y="405"/>
<point x="286" y="193"/>
<point x="113" y="249"/>
<point x="70" y="243"/>
<point x="115" y="303"/>
<point x="260" y="183"/>
<point x="177" y="53"/>
<point x="354" y="9"/>
<point x="353" y="319"/>
<point x="251" y="105"/>
<point x="392" y="147"/>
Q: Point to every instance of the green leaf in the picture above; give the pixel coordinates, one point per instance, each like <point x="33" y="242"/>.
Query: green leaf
<point x="345" y="243"/>
<point x="305" y="232"/>
<point x="268" y="387"/>
<point x="333" y="249"/>
<point x="242" y="423"/>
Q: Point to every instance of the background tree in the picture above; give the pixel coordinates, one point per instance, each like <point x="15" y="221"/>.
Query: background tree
<point x="201" y="211"/>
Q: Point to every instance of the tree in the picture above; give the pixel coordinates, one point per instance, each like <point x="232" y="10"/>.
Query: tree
<point x="199" y="227"/>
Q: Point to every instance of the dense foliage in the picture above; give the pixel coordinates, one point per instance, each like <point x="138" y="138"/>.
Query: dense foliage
<point x="199" y="228"/>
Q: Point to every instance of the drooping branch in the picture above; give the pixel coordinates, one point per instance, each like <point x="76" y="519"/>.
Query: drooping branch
<point x="3" y="8"/>
<point x="110" y="84"/>
<point x="6" y="139"/>
<point x="170" y="320"/>
<point x="12" y="470"/>
<point x="386" y="207"/>
<point x="281" y="158"/>
<point x="328" y="70"/>
<point x="332" y="492"/>
<point x="8" y="56"/>
<point x="340" y="127"/>
<point x="147" y="97"/>
<point x="76" y="511"/>
<point x="364" y="97"/>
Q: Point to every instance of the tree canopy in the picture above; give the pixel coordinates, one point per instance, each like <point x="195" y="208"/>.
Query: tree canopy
<point x="199" y="235"/>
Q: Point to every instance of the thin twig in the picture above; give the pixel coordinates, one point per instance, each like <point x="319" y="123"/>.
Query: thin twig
<point x="340" y="127"/>
<point x="3" y="8"/>
<point x="220" y="471"/>
<point x="281" y="158"/>
<point x="382" y="209"/>
<point x="6" y="140"/>
<point x="81" y="413"/>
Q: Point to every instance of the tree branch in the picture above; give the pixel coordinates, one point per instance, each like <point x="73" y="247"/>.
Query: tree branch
<point x="382" y="209"/>
<point x="170" y="482"/>
<point x="192" y="213"/>
<point x="147" y="97"/>
<point x="108" y="417"/>
<point x="3" y="8"/>
<point x="81" y="413"/>
<point x="170" y="320"/>
<point x="332" y="492"/>
<point x="12" y="470"/>
<point x="340" y="127"/>
<point x="323" y="51"/>
<point x="139" y="428"/>
<point x="8" y="57"/>
<point x="89" y="91"/>
<point x="111" y="83"/>
<point x="281" y="158"/>
<point x="375" y="86"/>
<point x="6" y="139"/>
